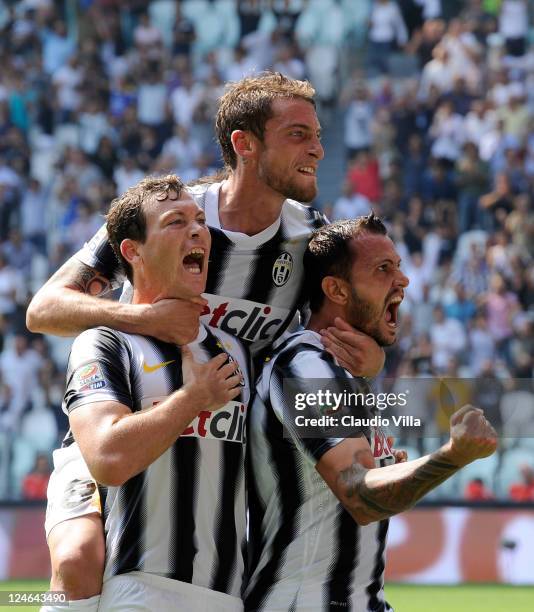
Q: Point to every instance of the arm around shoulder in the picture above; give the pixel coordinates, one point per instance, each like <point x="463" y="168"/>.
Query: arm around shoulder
<point x="68" y="302"/>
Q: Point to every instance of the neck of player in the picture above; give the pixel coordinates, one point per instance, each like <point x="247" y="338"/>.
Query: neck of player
<point x="325" y="317"/>
<point x="246" y="204"/>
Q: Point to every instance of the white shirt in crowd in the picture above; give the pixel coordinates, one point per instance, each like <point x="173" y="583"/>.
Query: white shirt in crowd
<point x="358" y="124"/>
<point x="350" y="207"/>
<point x="67" y="80"/>
<point x="387" y="24"/>
<point x="184" y="102"/>
<point x="126" y="177"/>
<point x="513" y="19"/>
<point x="448" y="339"/>
<point x="152" y="103"/>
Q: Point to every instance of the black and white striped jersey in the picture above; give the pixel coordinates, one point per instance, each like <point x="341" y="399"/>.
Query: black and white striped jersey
<point x="254" y="283"/>
<point x="305" y="550"/>
<point x="184" y="517"/>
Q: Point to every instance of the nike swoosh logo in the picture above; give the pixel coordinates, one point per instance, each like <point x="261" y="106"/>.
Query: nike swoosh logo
<point x="149" y="369"/>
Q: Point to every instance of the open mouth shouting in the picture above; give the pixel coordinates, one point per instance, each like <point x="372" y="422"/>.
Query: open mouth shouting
<point x="194" y="261"/>
<point x="392" y="311"/>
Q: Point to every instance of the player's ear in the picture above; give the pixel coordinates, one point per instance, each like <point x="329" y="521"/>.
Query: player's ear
<point x="335" y="289"/>
<point x="244" y="144"/>
<point x="130" y="250"/>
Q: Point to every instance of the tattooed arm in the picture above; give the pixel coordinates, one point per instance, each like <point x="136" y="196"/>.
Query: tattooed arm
<point x="371" y="494"/>
<point x="71" y="301"/>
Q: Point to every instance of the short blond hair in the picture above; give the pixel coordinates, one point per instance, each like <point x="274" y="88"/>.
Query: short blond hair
<point x="247" y="105"/>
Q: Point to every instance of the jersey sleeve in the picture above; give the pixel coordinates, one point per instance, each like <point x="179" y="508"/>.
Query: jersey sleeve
<point x="99" y="370"/>
<point x="98" y="254"/>
<point x="305" y="373"/>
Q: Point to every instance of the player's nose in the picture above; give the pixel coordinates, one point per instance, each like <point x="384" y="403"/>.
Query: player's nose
<point x="316" y="148"/>
<point x="402" y="279"/>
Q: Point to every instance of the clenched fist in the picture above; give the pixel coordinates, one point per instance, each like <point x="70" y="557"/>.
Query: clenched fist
<point x="212" y="384"/>
<point x="472" y="436"/>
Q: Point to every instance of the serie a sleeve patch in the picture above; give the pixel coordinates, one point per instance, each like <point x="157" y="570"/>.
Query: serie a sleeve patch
<point x="90" y="376"/>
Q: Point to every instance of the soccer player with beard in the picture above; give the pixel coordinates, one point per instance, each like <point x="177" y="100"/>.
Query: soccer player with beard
<point x="319" y="507"/>
<point x="270" y="138"/>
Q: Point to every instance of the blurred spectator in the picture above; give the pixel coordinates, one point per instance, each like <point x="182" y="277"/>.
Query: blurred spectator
<point x="33" y="215"/>
<point x="12" y="288"/>
<point x="422" y="312"/>
<point x="184" y="33"/>
<point x="93" y="99"/>
<point x="67" y="81"/>
<point x="152" y="98"/>
<point x="513" y="25"/>
<point x="471" y="179"/>
<point x="488" y="390"/>
<point x="35" y="483"/>
<point x="387" y="31"/>
<point x="363" y="176"/>
<point x="501" y="306"/>
<point x="523" y="491"/>
<point x="147" y="38"/>
<point x="476" y="490"/>
<point x="18" y="252"/>
<point x="438" y="73"/>
<point x="437" y="182"/>
<point x="463" y="308"/>
<point x="350" y="205"/>
<point x="515" y="115"/>
<point x="19" y="367"/>
<point x="127" y="174"/>
<point x="358" y="117"/>
<point x="84" y="227"/>
<point x="57" y="46"/>
<point x="448" y="340"/>
<point x="481" y="346"/>
<point x="243" y="65"/>
<point x="413" y="165"/>
<point x="185" y="99"/>
<point x="447" y="133"/>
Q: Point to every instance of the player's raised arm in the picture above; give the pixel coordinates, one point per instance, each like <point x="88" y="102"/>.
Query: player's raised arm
<point x="372" y="494"/>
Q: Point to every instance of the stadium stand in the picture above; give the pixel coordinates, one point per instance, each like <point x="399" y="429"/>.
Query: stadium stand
<point x="428" y="117"/>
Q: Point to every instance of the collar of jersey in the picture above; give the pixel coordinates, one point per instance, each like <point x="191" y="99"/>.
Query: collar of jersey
<point x="202" y="333"/>
<point x="242" y="241"/>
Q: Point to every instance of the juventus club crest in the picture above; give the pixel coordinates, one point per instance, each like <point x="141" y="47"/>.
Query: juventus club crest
<point x="282" y="268"/>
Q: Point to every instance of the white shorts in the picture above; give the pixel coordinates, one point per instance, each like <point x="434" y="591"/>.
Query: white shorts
<point x="146" y="593"/>
<point x="72" y="492"/>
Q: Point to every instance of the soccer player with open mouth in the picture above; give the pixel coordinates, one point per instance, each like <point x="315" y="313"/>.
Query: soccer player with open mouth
<point x="161" y="427"/>
<point x="270" y="138"/>
<point x="318" y="504"/>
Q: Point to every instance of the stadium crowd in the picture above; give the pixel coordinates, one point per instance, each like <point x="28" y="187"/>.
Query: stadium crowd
<point x="437" y="100"/>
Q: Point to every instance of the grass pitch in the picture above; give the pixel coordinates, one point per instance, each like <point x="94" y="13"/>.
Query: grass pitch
<point x="403" y="597"/>
<point x="461" y="598"/>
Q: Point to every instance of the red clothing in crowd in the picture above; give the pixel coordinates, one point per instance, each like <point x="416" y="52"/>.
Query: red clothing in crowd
<point x="522" y="492"/>
<point x="476" y="491"/>
<point x="364" y="178"/>
<point x="34" y="486"/>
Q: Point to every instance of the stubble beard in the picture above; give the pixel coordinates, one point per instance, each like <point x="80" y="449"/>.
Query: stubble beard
<point x="366" y="317"/>
<point x="286" y="186"/>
